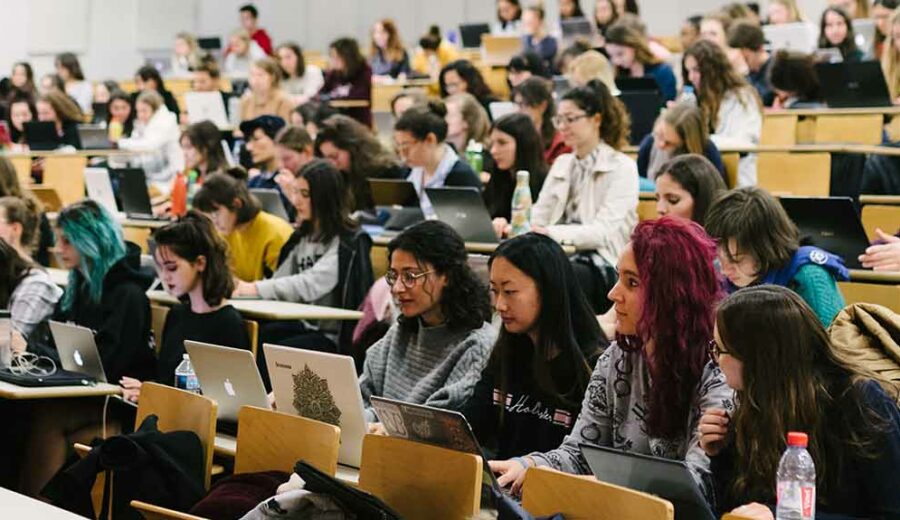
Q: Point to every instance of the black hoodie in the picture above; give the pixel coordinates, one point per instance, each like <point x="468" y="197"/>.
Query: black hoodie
<point x="120" y="321"/>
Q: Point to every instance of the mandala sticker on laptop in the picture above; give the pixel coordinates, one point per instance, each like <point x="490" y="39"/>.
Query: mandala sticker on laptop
<point x="313" y="399"/>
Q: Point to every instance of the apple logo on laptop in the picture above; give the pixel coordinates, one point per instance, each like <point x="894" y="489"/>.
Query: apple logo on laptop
<point x="229" y="388"/>
<point x="78" y="360"/>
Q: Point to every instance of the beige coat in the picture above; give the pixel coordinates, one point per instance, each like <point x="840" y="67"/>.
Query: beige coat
<point x="867" y="336"/>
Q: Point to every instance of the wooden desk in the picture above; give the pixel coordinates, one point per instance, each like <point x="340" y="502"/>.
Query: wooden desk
<point x="865" y="275"/>
<point x="478" y="248"/>
<point x="273" y="310"/>
<point x="887" y="200"/>
<point x="813" y="112"/>
<point x="350" y="103"/>
<point x="76" y="153"/>
<point x="802" y="148"/>
<point x="11" y="391"/>
<point x="226" y="446"/>
<point x="15" y="505"/>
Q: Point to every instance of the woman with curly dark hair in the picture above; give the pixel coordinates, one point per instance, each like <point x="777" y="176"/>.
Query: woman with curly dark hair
<point x="441" y="342"/>
<point x="461" y="76"/>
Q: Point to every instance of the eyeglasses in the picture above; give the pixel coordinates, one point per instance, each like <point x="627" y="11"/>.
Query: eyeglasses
<point x="560" y="120"/>
<point x="715" y="351"/>
<point x="408" y="278"/>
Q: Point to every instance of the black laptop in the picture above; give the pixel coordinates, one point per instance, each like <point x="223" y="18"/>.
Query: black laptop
<point x="399" y="198"/>
<point x="831" y="223"/>
<point x="133" y="193"/>
<point x="575" y="28"/>
<point x="41" y="135"/>
<point x="853" y="84"/>
<point x="643" y="106"/>
<point x="470" y="34"/>
<point x="464" y="210"/>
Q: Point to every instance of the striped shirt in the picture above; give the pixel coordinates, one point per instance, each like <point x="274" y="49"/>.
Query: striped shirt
<point x="33" y="301"/>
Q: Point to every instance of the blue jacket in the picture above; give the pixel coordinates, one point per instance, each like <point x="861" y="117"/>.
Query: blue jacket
<point x="665" y="78"/>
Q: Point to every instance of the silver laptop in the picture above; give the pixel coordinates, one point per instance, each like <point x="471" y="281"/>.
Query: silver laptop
<point x="864" y="29"/>
<point x="206" y="106"/>
<point x="94" y="137"/>
<point x="228" y="376"/>
<point x="100" y="188"/>
<point x="464" y="210"/>
<point x="77" y="349"/>
<point x="271" y="202"/>
<point x="501" y="108"/>
<point x="323" y="387"/>
<point x="797" y="37"/>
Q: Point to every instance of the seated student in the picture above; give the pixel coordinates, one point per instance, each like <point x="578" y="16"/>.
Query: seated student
<point x="148" y="78"/>
<point x="628" y="50"/>
<point x="569" y="9"/>
<point x="836" y="32"/>
<point x="467" y="121"/>
<point x="689" y="32"/>
<point x="590" y="65"/>
<point x="11" y="187"/>
<point x="69" y="70"/>
<point x="759" y="244"/>
<point x="461" y="76"/>
<point x="884" y="256"/>
<point x="729" y="105"/>
<point x="687" y="186"/>
<point x="265" y="97"/>
<point x="206" y="77"/>
<point x="359" y="155"/>
<point x="120" y="115"/>
<point x="678" y="130"/>
<point x="749" y="40"/>
<point x="564" y="61"/>
<point x="529" y="395"/>
<point x="605" y="15"/>
<point x="186" y="55"/>
<point x="312" y="115"/>
<point x="254" y="237"/>
<point x="434" y="53"/>
<point x="406" y="99"/>
<point x="636" y="24"/>
<point x="524" y="66"/>
<point x="301" y="81"/>
<point x="52" y="82"/>
<point x="349" y="78"/>
<point x="21" y="110"/>
<point x="515" y="146"/>
<point x="22" y="80"/>
<point x="852" y="422"/>
<point x="294" y="149"/>
<point x="534" y="97"/>
<point x="58" y="108"/>
<point x="535" y="37"/>
<point x="156" y="135"/>
<point x="203" y="156"/>
<point x="420" y="135"/>
<point x="783" y="11"/>
<point x="25" y="288"/>
<point x="715" y="28"/>
<point x="242" y="52"/>
<point x="794" y="80"/>
<point x="435" y="352"/>
<point x="103" y="91"/>
<point x="882" y="12"/>
<point x="250" y="23"/>
<point x="192" y="262"/>
<point x="387" y="56"/>
<point x="649" y="386"/>
<point x="509" y="17"/>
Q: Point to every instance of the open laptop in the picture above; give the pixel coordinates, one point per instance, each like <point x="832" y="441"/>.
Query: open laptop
<point x="77" y="349"/>
<point x="323" y="387"/>
<point x="271" y="202"/>
<point x="864" y="29"/>
<point x="643" y="107"/>
<point x="464" y="210"/>
<point x="399" y="199"/>
<point x="797" y="37"/>
<point x="470" y="34"/>
<point x="206" y="106"/>
<point x="831" y="223"/>
<point x="100" y="188"/>
<point x="496" y="50"/>
<point x="134" y="195"/>
<point x="499" y="109"/>
<point x="228" y="376"/>
<point x="853" y="84"/>
<point x="575" y="28"/>
<point x="94" y="137"/>
<point x="41" y="135"/>
<point x="669" y="479"/>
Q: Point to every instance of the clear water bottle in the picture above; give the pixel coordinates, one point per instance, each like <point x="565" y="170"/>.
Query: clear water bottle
<point x="521" y="205"/>
<point x="192" y="188"/>
<point x="475" y="156"/>
<point x="796" y="481"/>
<point x="185" y="378"/>
<point x="688" y="96"/>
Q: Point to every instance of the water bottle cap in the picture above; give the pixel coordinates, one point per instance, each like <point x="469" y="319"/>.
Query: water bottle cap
<point x="185" y="356"/>
<point x="522" y="174"/>
<point x="797" y="439"/>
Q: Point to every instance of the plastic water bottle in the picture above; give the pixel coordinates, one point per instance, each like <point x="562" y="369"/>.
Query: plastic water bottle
<point x="796" y="481"/>
<point x="688" y="96"/>
<point x="474" y="156"/>
<point x="185" y="378"/>
<point x="192" y="187"/>
<point x="521" y="205"/>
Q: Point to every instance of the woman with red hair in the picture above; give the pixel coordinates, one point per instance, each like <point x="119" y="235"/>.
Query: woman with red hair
<point x="649" y="386"/>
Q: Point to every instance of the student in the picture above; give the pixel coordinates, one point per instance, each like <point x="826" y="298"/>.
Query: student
<point x="836" y="31"/>
<point x="186" y="55"/>
<point x="11" y="187"/>
<point x="635" y="23"/>
<point x="435" y="352"/>
<point x="250" y="23"/>
<point x="254" y="237"/>
<point x="120" y="115"/>
<point x="25" y="288"/>
<point x="265" y="97"/>
<point x="69" y="69"/>
<point x="156" y="135"/>
<point x="466" y="121"/>
<point x="359" y="155"/>
<point x="51" y="82"/>
<point x="22" y="80"/>
<point x="592" y="65"/>
<point x="690" y="31"/>
<point x="192" y="262"/>
<point x="714" y="28"/>
<point x="882" y="11"/>
<point x="529" y="395"/>
<point x="509" y="17"/>
<point x="783" y="11"/>
<point x="794" y="80"/>
<point x="201" y="146"/>
<point x="103" y="91"/>
<point x="890" y="58"/>
<point x="242" y="52"/>
<point x="148" y="78"/>
<point x="686" y="187"/>
<point x="406" y="99"/>
<point x="312" y="116"/>
<point x="387" y="55"/>
<point x="535" y="37"/>
<point x="729" y="105"/>
<point x="628" y="50"/>
<point x="884" y="256"/>
<point x="649" y="386"/>
<point x="605" y="15"/>
<point x="569" y="9"/>
<point x="524" y="66"/>
<point x="58" y="108"/>
<point x="260" y="133"/>
<point x="461" y="76"/>
<point x="349" y="78"/>
<point x="206" y="78"/>
<point x="629" y="7"/>
<point x="21" y="110"/>
<point x="300" y="80"/>
<point x="855" y="9"/>
<point x="420" y="136"/>
<point x="852" y="422"/>
<point x="680" y="129"/>
<point x="434" y="53"/>
<point x="758" y="244"/>
<point x="294" y="149"/>
<point x="750" y="41"/>
<point x="515" y="146"/>
<point x="534" y="98"/>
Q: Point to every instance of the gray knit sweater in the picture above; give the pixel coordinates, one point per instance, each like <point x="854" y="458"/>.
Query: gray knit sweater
<point x="434" y="366"/>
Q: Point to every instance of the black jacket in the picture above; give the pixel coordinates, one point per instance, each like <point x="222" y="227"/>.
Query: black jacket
<point x="881" y="175"/>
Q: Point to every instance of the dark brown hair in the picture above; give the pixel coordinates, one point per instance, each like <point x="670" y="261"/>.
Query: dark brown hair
<point x="848" y="46"/>
<point x="301" y="61"/>
<point x="69" y="61"/>
<point x="795" y="73"/>
<point x="626" y="36"/>
<point x="718" y="78"/>
<point x="697" y="176"/>
<point x="348" y="50"/>
<point x="746" y="35"/>
<point x="206" y="137"/>
<point x="595" y="98"/>
<point x="225" y="189"/>
<point x="25" y="211"/>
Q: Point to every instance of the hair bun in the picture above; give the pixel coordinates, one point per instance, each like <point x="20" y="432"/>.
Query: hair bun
<point x="237" y="173"/>
<point x="437" y="107"/>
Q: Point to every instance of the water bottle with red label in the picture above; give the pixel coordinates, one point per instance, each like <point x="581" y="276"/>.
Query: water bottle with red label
<point x="796" y="481"/>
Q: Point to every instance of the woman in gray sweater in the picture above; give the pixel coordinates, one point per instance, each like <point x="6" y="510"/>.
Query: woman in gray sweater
<point x="441" y="342"/>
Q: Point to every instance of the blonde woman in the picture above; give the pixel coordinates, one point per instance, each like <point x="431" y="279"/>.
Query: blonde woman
<point x="243" y="51"/>
<point x="784" y="11"/>
<point x="265" y="97"/>
<point x="890" y="57"/>
<point x="466" y="120"/>
<point x="679" y="130"/>
<point x="592" y="65"/>
<point x="186" y="55"/>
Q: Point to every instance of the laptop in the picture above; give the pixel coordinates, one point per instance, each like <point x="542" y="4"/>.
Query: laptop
<point x="470" y="34"/>
<point x="271" y="202"/>
<point x="94" y="137"/>
<point x="133" y="194"/>
<point x="100" y="111"/>
<point x="41" y="135"/>
<point x="399" y="199"/>
<point x="644" y="84"/>
<point x="853" y="84"/>
<point x="206" y="106"/>
<point x="502" y="108"/>
<point x="575" y="28"/>
<point x="496" y="51"/>
<point x="669" y="479"/>
<point x="797" y="37"/>
<point x="100" y="188"/>
<point x="864" y="29"/>
<point x="77" y="349"/>
<point x="210" y="43"/>
<point x="228" y="376"/>
<point x="831" y="223"/>
<point x="643" y="107"/>
<point x="464" y="210"/>
<point x="323" y="387"/>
